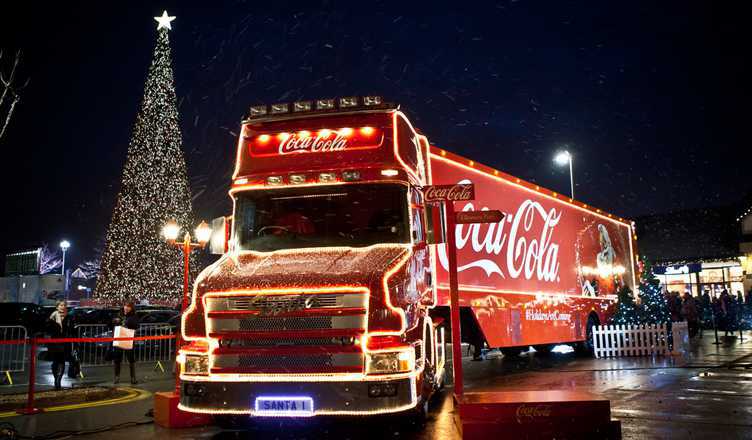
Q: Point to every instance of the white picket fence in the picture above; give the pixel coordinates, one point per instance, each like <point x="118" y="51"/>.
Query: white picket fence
<point x="640" y="340"/>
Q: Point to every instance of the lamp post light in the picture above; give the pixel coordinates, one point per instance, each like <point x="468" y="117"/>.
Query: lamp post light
<point x="170" y="231"/>
<point x="563" y="158"/>
<point x="64" y="245"/>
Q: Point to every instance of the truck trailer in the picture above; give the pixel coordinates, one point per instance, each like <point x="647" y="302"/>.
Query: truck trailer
<point x="331" y="294"/>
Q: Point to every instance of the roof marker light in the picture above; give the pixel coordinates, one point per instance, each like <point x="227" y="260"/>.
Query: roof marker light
<point x="371" y="100"/>
<point x="297" y="179"/>
<point x="346" y="131"/>
<point x="325" y="133"/>
<point x="324" y="104"/>
<point x="264" y="138"/>
<point x="280" y="108"/>
<point x="350" y="176"/>
<point x="389" y="173"/>
<point x="241" y="181"/>
<point x="257" y="110"/>
<point x="274" y="180"/>
<point x="304" y="133"/>
<point x="283" y="136"/>
<point x="301" y="106"/>
<point x="348" y="102"/>
<point x="367" y="130"/>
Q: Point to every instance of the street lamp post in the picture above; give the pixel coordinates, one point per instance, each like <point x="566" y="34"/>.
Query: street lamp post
<point x="64" y="245"/>
<point x="171" y="231"/>
<point x="565" y="158"/>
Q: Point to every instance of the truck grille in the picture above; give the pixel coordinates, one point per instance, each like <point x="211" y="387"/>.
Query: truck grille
<point x="279" y="342"/>
<point x="264" y="334"/>
<point x="291" y="361"/>
<point x="271" y="324"/>
<point x="288" y="362"/>
<point x="283" y="302"/>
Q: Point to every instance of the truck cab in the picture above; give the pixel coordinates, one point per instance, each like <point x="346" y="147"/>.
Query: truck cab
<point x="320" y="302"/>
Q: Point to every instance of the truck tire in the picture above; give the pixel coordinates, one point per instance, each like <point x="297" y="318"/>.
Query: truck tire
<point x="512" y="352"/>
<point x="544" y="349"/>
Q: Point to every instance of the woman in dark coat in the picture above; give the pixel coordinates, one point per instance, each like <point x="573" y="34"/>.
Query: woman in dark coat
<point x="59" y="325"/>
<point x="127" y="319"/>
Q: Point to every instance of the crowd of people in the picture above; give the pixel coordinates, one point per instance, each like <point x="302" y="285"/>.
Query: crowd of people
<point x="61" y="325"/>
<point x="725" y="312"/>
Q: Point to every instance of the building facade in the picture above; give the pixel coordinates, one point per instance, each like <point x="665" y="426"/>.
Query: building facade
<point x="699" y="250"/>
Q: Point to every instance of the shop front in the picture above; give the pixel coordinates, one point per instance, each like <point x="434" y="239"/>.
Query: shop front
<point x="698" y="277"/>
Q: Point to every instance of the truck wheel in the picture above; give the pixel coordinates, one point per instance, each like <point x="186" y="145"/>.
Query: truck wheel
<point x="543" y="349"/>
<point x="511" y="352"/>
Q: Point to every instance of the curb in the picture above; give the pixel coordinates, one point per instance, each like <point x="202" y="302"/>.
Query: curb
<point x="133" y="395"/>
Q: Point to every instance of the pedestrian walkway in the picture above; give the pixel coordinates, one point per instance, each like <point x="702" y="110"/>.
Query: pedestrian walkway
<point x="704" y="395"/>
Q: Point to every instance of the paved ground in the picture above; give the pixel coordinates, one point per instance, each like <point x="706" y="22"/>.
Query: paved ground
<point x="706" y="395"/>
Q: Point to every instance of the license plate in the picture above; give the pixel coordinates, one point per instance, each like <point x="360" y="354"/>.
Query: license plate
<point x="284" y="406"/>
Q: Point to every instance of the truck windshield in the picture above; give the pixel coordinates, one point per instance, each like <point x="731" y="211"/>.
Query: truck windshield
<point x="353" y="215"/>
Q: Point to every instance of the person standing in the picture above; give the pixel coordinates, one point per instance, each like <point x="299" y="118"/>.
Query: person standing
<point x="689" y="311"/>
<point x="725" y="309"/>
<point x="129" y="320"/>
<point x="59" y="325"/>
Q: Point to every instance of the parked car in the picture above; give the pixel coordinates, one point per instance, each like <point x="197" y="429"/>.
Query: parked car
<point x="97" y="316"/>
<point x="29" y="315"/>
<point x="156" y="316"/>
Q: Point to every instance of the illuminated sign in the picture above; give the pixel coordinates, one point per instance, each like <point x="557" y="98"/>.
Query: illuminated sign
<point x="460" y="192"/>
<point x="320" y="141"/>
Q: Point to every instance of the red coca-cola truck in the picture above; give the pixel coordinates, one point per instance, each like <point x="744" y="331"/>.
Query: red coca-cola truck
<point x="330" y="295"/>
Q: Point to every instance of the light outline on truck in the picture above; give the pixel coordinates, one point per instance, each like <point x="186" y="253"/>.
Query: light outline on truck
<point x="629" y="226"/>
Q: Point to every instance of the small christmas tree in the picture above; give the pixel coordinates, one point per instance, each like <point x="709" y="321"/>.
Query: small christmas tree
<point x="626" y="310"/>
<point x="137" y="263"/>
<point x="654" y="305"/>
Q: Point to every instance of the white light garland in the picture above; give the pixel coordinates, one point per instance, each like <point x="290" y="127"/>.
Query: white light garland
<point x="137" y="263"/>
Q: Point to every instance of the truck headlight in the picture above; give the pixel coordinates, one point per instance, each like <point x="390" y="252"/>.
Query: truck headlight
<point x="390" y="362"/>
<point x="196" y="364"/>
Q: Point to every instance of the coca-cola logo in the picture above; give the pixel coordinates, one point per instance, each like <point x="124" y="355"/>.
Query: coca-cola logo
<point x="294" y="143"/>
<point x="461" y="192"/>
<point x="528" y="413"/>
<point x="523" y="239"/>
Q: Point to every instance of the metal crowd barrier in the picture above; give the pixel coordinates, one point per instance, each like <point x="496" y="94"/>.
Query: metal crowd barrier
<point x="12" y="357"/>
<point x="94" y="354"/>
<point x="33" y="343"/>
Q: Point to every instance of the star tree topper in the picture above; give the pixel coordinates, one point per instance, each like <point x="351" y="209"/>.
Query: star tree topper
<point x="164" y="21"/>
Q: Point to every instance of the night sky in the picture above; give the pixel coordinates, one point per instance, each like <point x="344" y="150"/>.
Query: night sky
<point x="649" y="96"/>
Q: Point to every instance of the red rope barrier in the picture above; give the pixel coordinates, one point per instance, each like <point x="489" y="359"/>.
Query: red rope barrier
<point x="42" y="341"/>
<point x="33" y="342"/>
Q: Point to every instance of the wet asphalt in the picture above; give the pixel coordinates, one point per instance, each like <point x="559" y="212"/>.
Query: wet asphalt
<point x="705" y="394"/>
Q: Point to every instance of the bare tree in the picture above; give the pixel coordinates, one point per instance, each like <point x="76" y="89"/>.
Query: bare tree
<point x="10" y="93"/>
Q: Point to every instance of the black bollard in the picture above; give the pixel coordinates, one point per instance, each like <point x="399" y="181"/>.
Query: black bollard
<point x="741" y="321"/>
<point x="715" y="330"/>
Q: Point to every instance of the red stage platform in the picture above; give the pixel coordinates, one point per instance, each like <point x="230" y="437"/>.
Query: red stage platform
<point x="535" y="415"/>
<point x="167" y="414"/>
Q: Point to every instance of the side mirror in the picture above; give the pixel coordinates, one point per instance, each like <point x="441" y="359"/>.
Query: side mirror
<point x="434" y="221"/>
<point x="220" y="235"/>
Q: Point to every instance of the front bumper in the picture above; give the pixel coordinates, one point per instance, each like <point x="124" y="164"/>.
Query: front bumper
<point x="329" y="398"/>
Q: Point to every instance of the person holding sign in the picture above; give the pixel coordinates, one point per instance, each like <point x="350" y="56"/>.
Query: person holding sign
<point x="126" y="324"/>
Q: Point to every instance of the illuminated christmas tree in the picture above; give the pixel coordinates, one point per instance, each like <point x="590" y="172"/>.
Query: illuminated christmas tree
<point x="626" y="310"/>
<point x="654" y="305"/>
<point x="137" y="263"/>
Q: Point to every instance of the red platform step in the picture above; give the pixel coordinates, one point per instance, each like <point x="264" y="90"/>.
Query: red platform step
<point x="168" y="415"/>
<point x="535" y="415"/>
